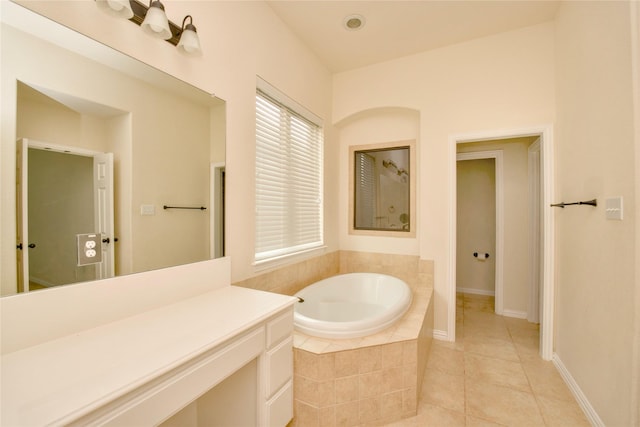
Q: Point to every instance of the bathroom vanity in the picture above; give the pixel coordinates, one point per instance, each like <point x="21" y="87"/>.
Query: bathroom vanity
<point x="146" y="349"/>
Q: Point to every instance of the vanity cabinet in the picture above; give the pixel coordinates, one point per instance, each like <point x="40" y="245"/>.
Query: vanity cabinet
<point x="279" y="368"/>
<point x="215" y="355"/>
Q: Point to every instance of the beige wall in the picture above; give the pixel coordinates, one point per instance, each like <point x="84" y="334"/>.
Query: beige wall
<point x="476" y="226"/>
<point x="504" y="81"/>
<point x="596" y="274"/>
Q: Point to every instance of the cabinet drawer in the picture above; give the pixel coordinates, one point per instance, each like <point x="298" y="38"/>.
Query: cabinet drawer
<point x="279" y="328"/>
<point x="280" y="407"/>
<point x="279" y="365"/>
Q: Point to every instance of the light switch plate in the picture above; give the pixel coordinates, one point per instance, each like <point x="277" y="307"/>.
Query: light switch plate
<point x="613" y="208"/>
<point x="147" y="209"/>
<point x="89" y="249"/>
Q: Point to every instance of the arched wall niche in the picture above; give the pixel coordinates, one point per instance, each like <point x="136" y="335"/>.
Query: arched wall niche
<point x="384" y="127"/>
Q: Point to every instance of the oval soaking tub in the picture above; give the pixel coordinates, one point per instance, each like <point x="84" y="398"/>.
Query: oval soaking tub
<point x="351" y="305"/>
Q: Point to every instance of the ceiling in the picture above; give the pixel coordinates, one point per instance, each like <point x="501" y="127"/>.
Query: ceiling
<point x="396" y="28"/>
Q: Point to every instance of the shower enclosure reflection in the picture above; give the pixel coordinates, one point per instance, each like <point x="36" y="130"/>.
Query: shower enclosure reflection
<point x="382" y="189"/>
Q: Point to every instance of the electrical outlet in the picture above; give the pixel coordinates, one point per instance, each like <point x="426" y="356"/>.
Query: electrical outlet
<point x="89" y="249"/>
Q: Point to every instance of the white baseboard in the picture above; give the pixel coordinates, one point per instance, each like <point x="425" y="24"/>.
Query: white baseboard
<point x="475" y="291"/>
<point x="588" y="410"/>
<point x="514" y="313"/>
<point x="441" y="335"/>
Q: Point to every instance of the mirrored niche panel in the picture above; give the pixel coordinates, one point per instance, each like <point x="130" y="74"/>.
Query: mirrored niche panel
<point x="382" y="186"/>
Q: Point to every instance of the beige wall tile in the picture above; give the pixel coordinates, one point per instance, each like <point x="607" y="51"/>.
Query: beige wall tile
<point x="326" y="393"/>
<point x="305" y="390"/>
<point x="409" y="401"/>
<point x="326" y="366"/>
<point x="370" y="359"/>
<point x="348" y="414"/>
<point x="410" y="375"/>
<point x="370" y="409"/>
<point x="347" y="389"/>
<point x="392" y="355"/>
<point x="410" y="351"/>
<point x="370" y="384"/>
<point x="327" y="416"/>
<point x="391" y="407"/>
<point x="306" y="415"/>
<point x="346" y="363"/>
<point x="306" y="364"/>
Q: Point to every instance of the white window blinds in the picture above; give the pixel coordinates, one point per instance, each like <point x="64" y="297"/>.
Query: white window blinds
<point x="288" y="181"/>
<point x="365" y="190"/>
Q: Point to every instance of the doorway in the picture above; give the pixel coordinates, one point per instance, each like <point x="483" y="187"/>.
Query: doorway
<point x="545" y="234"/>
<point x="476" y="225"/>
<point x="63" y="192"/>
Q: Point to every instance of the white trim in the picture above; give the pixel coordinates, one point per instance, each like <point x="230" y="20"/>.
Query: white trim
<point x="270" y="263"/>
<point x="475" y="291"/>
<point x="518" y="314"/>
<point x="216" y="212"/>
<point x="497" y="155"/>
<point x="547" y="152"/>
<point x="535" y="272"/>
<point x="577" y="392"/>
<point x="441" y="335"/>
<point x="281" y="97"/>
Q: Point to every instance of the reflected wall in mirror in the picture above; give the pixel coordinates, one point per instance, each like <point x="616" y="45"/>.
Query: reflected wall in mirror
<point x="383" y="188"/>
<point x="165" y="136"/>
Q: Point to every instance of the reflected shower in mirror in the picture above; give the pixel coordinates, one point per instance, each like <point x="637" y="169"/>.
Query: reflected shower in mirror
<point x="66" y="94"/>
<point x="382" y="189"/>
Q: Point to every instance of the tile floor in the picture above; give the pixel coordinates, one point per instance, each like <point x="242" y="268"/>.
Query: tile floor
<point x="492" y="376"/>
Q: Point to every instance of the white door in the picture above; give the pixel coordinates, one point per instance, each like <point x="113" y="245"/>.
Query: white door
<point x="103" y="208"/>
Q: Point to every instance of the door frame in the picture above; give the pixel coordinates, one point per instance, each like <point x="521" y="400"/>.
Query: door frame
<point x="535" y="208"/>
<point x="497" y="155"/>
<point x="545" y="132"/>
<point x="75" y="151"/>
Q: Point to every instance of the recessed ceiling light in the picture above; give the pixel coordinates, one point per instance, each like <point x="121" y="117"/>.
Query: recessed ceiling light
<point x="353" y="22"/>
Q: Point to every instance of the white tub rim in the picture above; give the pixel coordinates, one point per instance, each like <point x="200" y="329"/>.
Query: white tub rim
<point x="353" y="328"/>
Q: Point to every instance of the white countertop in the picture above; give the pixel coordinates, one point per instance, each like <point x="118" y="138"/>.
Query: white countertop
<point x="60" y="380"/>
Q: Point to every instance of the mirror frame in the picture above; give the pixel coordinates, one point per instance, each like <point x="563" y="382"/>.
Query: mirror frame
<point x="411" y="233"/>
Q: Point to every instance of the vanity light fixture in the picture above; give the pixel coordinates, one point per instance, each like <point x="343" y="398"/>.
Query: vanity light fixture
<point x="189" y="41"/>
<point x="119" y="8"/>
<point x="153" y="21"/>
<point x="156" y="23"/>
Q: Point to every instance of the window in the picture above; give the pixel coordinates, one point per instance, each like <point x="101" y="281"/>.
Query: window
<point x="289" y="149"/>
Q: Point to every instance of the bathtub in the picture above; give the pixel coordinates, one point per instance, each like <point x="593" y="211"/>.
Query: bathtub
<point x="351" y="305"/>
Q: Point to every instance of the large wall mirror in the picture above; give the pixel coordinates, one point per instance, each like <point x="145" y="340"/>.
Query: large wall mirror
<point x="382" y="198"/>
<point x="96" y="143"/>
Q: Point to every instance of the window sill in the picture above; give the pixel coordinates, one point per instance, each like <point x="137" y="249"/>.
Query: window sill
<point x="271" y="263"/>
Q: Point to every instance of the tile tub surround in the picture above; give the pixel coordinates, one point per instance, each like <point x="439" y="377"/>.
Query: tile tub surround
<point x="369" y="380"/>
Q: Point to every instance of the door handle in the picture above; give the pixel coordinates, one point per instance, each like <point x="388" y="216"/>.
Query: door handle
<point x="30" y="246"/>
<point x="108" y="240"/>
